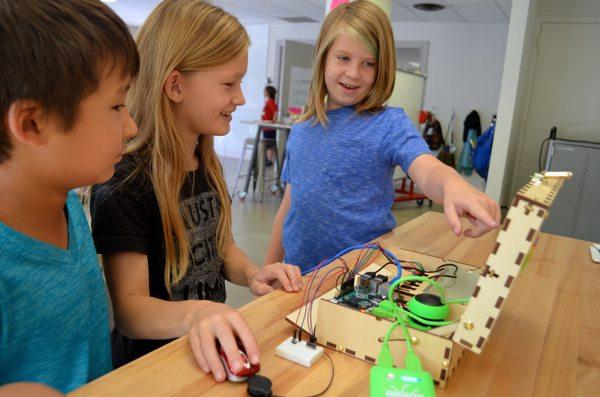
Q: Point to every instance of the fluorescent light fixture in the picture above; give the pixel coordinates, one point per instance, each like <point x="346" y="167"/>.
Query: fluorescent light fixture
<point x="429" y="7"/>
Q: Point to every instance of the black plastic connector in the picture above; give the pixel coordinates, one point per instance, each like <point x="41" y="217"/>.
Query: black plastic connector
<point x="382" y="277"/>
<point x="346" y="287"/>
<point x="312" y="342"/>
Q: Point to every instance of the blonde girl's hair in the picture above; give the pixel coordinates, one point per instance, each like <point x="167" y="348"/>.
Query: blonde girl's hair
<point x="367" y="23"/>
<point x="184" y="35"/>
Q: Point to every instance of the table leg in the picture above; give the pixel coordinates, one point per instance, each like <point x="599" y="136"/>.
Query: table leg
<point x="251" y="168"/>
<point x="260" y="158"/>
<point x="281" y="145"/>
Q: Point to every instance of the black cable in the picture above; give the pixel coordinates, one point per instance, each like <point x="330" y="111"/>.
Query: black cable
<point x="384" y="265"/>
<point x="330" y="379"/>
<point x="540" y="156"/>
<point x="343" y="276"/>
<point x="415" y="270"/>
<point x="444" y="266"/>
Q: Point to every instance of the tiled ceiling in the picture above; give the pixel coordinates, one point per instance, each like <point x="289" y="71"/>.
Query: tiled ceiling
<point x="275" y="11"/>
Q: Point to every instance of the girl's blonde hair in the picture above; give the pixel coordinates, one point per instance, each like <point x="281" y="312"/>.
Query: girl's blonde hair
<point x="367" y="23"/>
<point x="184" y="35"/>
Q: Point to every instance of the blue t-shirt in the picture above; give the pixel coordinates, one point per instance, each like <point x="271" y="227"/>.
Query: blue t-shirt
<point x="54" y="325"/>
<point x="342" y="180"/>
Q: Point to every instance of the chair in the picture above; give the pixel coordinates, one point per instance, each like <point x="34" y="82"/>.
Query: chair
<point x="262" y="146"/>
<point x="248" y="145"/>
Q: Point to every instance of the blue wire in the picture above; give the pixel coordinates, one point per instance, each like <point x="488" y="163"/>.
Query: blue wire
<point x="362" y="246"/>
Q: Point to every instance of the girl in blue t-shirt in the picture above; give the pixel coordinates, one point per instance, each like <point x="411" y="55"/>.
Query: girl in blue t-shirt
<point x="342" y="153"/>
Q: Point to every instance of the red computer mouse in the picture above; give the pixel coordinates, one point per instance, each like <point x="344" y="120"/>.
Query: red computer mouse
<point x="248" y="369"/>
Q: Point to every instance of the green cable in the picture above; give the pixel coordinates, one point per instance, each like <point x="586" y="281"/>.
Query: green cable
<point x="409" y="348"/>
<point x="385" y="358"/>
<point x="411" y="360"/>
<point x="385" y="355"/>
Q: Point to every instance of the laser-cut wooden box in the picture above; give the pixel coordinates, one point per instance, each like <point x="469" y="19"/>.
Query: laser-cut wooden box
<point x="359" y="334"/>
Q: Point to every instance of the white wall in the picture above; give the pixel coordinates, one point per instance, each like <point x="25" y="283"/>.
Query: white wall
<point x="516" y="77"/>
<point x="464" y="66"/>
<point x="569" y="9"/>
<point x="526" y="16"/>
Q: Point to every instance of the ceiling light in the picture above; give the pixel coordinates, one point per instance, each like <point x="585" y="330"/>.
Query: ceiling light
<point x="298" y="20"/>
<point x="429" y="7"/>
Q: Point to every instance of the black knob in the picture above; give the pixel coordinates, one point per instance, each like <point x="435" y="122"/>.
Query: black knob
<point x="259" y="386"/>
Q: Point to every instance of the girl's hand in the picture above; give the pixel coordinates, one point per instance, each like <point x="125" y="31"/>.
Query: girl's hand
<point x="462" y="200"/>
<point x="212" y="321"/>
<point x="272" y="276"/>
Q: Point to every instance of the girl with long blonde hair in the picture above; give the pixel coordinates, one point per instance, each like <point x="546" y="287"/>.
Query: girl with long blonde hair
<point x="163" y="224"/>
<point x="341" y="155"/>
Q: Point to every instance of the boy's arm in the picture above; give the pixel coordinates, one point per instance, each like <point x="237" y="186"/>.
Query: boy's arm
<point x="275" y="252"/>
<point x="443" y="185"/>
<point x="140" y="316"/>
<point x="28" y="389"/>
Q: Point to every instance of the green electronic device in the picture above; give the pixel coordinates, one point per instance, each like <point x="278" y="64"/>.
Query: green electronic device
<point x="423" y="312"/>
<point x="397" y="382"/>
<point x="387" y="381"/>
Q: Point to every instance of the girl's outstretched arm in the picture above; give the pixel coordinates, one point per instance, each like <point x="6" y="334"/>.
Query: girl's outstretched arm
<point x="443" y="185"/>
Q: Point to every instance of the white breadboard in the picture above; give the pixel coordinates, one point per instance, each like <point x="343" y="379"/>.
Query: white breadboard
<point x="595" y="252"/>
<point x="298" y="352"/>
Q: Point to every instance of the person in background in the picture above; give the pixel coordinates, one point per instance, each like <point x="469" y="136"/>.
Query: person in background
<point x="341" y="155"/>
<point x="66" y="68"/>
<point x="163" y="223"/>
<point x="269" y="113"/>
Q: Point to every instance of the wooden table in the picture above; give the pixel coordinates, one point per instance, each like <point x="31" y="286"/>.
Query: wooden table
<point x="546" y="343"/>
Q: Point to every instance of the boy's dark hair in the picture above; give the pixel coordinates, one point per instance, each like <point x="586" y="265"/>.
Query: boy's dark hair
<point x="55" y="52"/>
<point x="271" y="91"/>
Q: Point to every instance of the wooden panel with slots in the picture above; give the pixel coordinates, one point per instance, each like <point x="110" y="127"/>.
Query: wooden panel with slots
<point x="515" y="241"/>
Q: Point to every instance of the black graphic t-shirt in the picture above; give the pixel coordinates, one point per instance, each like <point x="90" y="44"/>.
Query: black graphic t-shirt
<point x="126" y="217"/>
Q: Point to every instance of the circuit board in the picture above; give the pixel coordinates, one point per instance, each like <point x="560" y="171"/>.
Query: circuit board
<point x="359" y="300"/>
<point x="369" y="289"/>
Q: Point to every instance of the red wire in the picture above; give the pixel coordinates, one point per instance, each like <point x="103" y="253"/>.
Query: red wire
<point x="305" y="299"/>
<point x="330" y="273"/>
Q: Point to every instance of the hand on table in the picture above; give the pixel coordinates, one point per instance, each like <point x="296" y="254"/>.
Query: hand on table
<point x="272" y="276"/>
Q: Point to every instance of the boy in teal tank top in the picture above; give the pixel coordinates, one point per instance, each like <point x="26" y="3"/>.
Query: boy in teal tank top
<point x="66" y="67"/>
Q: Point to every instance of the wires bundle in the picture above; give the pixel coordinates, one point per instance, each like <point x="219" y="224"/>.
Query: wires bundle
<point x="344" y="272"/>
